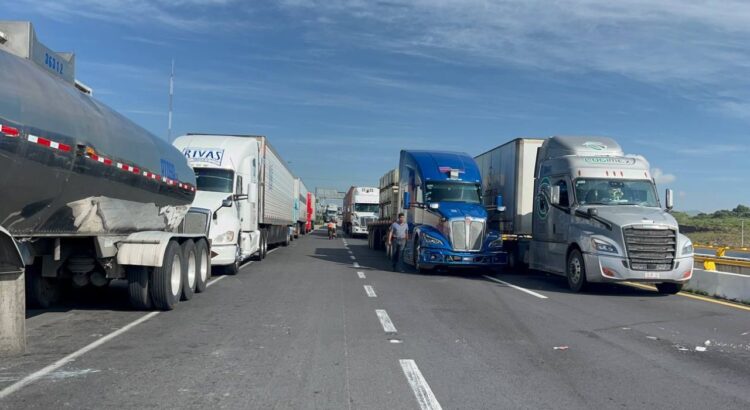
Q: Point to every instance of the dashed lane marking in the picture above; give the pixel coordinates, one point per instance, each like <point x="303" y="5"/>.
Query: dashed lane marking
<point x="385" y="321"/>
<point x="370" y="291"/>
<point x="361" y="275"/>
<point x="422" y="390"/>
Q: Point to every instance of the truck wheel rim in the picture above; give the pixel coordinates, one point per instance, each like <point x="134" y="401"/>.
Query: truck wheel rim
<point x="191" y="269"/>
<point x="176" y="275"/>
<point x="204" y="267"/>
<point x="575" y="270"/>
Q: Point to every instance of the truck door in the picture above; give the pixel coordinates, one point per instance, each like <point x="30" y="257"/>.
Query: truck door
<point x="560" y="223"/>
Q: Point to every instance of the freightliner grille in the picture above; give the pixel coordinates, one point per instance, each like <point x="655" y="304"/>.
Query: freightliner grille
<point x="195" y="222"/>
<point x="651" y="249"/>
<point x="466" y="235"/>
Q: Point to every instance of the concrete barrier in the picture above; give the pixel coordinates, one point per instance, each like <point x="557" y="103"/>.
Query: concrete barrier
<point x="725" y="285"/>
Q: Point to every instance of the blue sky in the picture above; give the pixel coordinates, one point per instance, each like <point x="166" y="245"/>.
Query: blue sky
<point x="341" y="86"/>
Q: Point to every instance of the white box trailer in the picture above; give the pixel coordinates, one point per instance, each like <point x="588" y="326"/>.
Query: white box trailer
<point x="508" y="170"/>
<point x="248" y="188"/>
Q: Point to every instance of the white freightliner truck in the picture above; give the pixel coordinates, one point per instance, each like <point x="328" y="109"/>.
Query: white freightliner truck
<point x="249" y="190"/>
<point x="581" y="208"/>
<point x="301" y="199"/>
<point x="360" y="209"/>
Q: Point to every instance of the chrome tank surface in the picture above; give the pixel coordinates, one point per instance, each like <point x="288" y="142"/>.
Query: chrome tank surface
<point x="70" y="165"/>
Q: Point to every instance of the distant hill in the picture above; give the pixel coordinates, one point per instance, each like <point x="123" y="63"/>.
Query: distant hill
<point x="722" y="227"/>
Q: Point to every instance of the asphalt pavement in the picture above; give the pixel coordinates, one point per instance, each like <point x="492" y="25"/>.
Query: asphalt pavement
<point x="324" y="324"/>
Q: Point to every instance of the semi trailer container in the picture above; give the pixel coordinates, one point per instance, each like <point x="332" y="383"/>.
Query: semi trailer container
<point x="300" y="207"/>
<point x="87" y="195"/>
<point x="248" y="188"/>
<point x="388" y="209"/>
<point x="581" y="208"/>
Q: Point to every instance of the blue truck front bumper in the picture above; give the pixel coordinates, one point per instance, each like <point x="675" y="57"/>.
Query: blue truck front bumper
<point x="441" y="257"/>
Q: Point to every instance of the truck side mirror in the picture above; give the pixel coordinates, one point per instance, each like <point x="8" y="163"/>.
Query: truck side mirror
<point x="407" y="200"/>
<point x="253" y="190"/>
<point x="240" y="197"/>
<point x="554" y="195"/>
<point x="499" y="203"/>
<point x="669" y="199"/>
<point x="227" y="202"/>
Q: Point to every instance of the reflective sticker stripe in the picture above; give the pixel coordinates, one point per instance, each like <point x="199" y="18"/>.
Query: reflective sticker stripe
<point x="48" y="143"/>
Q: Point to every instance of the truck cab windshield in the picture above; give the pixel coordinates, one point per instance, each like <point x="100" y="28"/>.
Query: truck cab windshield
<point x="452" y="192"/>
<point x="365" y="207"/>
<point x="616" y="192"/>
<point x="214" y="179"/>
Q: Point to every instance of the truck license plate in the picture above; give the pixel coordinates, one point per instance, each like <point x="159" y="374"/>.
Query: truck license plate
<point x="652" y="275"/>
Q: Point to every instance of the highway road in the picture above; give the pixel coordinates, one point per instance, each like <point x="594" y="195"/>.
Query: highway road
<point x="322" y="324"/>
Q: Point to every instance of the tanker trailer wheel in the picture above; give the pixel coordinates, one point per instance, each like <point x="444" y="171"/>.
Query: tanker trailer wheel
<point x="668" y="288"/>
<point x="576" y="271"/>
<point x="42" y="292"/>
<point x="138" y="287"/>
<point x="203" y="261"/>
<point x="166" y="280"/>
<point x="189" y="275"/>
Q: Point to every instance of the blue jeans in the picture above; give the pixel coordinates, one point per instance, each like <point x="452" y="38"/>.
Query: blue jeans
<point x="397" y="253"/>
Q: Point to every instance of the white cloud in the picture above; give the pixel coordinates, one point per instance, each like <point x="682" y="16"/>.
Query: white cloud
<point x="697" y="48"/>
<point x="661" y="178"/>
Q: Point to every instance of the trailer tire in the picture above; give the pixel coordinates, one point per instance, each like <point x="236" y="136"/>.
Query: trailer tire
<point x="576" y="271"/>
<point x="138" y="287"/>
<point x="190" y="273"/>
<point x="166" y="280"/>
<point x="287" y="240"/>
<point x="203" y="260"/>
<point x="667" y="288"/>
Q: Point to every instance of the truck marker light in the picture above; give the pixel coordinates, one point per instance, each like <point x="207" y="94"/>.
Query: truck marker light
<point x="9" y="131"/>
<point x="687" y="274"/>
<point x="609" y="272"/>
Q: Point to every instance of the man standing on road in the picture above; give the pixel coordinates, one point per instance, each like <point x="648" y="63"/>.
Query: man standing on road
<point x="400" y="232"/>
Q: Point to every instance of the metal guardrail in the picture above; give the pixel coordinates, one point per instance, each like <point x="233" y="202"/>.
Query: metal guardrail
<point x="721" y="262"/>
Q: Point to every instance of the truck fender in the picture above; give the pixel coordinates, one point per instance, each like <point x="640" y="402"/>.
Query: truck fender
<point x="146" y="248"/>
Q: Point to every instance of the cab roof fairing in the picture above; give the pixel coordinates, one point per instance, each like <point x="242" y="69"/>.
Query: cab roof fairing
<point x="431" y="165"/>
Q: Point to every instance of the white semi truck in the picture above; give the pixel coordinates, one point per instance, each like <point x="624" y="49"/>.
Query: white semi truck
<point x="249" y="190"/>
<point x="581" y="208"/>
<point x="301" y="201"/>
<point x="360" y="209"/>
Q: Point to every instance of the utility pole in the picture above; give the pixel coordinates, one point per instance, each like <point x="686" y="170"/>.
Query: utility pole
<point x="742" y="240"/>
<point x="171" y="95"/>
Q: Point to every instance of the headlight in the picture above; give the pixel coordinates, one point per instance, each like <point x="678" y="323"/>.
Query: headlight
<point x="688" y="249"/>
<point x="602" y="246"/>
<point x="431" y="240"/>
<point x="497" y="243"/>
<point x="225" y="238"/>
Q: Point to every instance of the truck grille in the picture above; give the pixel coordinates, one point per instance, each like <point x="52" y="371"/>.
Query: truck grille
<point x="459" y="231"/>
<point x="195" y="222"/>
<point x="651" y="249"/>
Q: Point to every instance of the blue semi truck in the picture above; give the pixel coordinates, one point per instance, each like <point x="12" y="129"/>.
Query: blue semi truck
<point x="440" y="193"/>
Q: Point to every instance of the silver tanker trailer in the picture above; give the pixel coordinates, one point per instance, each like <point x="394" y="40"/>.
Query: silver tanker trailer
<point x="87" y="196"/>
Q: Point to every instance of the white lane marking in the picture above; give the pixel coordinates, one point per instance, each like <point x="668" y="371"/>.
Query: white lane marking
<point x="209" y="284"/>
<point x="419" y="386"/>
<point x="530" y="292"/>
<point x="370" y="291"/>
<point x="246" y="263"/>
<point x="78" y="353"/>
<point x="385" y="321"/>
<point x="352" y="257"/>
<point x="273" y="250"/>
<point x="350" y="252"/>
<point x="356" y="265"/>
<point x="361" y="275"/>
